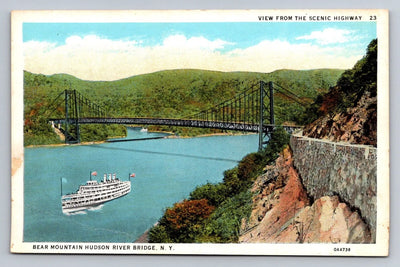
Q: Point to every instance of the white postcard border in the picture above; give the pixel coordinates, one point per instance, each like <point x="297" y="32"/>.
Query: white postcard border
<point x="18" y="246"/>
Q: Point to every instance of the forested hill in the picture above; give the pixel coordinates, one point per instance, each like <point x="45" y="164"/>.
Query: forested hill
<point x="348" y="112"/>
<point x="174" y="93"/>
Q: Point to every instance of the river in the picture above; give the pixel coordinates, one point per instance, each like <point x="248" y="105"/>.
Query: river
<point x="167" y="170"/>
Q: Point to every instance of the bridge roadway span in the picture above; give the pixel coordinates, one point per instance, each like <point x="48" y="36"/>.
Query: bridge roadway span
<point x="234" y="126"/>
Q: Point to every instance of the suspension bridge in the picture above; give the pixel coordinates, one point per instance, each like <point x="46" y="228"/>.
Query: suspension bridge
<point x="249" y="111"/>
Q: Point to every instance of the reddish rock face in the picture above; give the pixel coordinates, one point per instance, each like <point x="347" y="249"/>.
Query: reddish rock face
<point x="356" y="125"/>
<point x="329" y="221"/>
<point x="282" y="212"/>
<point x="345" y="170"/>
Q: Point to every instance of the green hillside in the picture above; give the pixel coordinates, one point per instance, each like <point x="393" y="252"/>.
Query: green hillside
<point x="172" y="93"/>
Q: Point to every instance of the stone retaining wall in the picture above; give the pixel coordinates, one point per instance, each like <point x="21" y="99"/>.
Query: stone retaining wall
<point x="332" y="168"/>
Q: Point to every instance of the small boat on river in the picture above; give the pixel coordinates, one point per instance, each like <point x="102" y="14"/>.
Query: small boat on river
<point x="95" y="193"/>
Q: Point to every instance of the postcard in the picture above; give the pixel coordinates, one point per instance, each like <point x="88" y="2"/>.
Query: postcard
<point x="208" y="132"/>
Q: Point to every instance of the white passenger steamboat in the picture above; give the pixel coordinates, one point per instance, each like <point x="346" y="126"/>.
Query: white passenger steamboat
<point x="95" y="193"/>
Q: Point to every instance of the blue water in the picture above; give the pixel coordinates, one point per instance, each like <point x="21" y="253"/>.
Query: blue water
<point x="167" y="170"/>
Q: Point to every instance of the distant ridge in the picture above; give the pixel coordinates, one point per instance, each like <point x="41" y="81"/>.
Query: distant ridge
<point x="175" y="93"/>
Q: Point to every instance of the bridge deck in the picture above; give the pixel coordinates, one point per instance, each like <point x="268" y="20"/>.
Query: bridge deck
<point x="234" y="126"/>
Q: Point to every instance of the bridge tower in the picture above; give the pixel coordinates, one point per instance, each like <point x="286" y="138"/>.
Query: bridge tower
<point x="72" y="109"/>
<point x="266" y="113"/>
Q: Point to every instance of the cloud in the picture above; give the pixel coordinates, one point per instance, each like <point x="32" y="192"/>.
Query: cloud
<point x="95" y="42"/>
<point x="36" y="46"/>
<point x="94" y="58"/>
<point x="180" y="41"/>
<point x="329" y="36"/>
<point x="270" y="55"/>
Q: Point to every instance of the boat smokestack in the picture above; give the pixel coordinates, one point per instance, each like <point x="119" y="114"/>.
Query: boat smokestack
<point x="109" y="177"/>
<point x="114" y="176"/>
<point x="105" y="178"/>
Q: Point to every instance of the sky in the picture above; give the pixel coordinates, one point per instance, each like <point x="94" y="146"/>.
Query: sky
<point x="112" y="51"/>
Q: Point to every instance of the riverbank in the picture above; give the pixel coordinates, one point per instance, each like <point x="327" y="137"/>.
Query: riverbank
<point x="208" y="135"/>
<point x="171" y="136"/>
<point x="63" y="144"/>
<point x="144" y="238"/>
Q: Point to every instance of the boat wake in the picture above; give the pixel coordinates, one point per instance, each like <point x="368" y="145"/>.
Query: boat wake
<point x="83" y="212"/>
<point x="96" y="209"/>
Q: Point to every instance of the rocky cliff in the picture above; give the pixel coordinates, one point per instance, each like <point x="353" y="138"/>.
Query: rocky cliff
<point x="348" y="171"/>
<point x="321" y="189"/>
<point x="284" y="213"/>
<point x="355" y="125"/>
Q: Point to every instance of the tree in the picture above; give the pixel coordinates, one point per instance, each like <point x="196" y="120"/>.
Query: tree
<point x="158" y="234"/>
<point x="214" y="193"/>
<point x="224" y="224"/>
<point x="279" y="139"/>
<point x="363" y="76"/>
<point x="250" y="166"/>
<point x="183" y="222"/>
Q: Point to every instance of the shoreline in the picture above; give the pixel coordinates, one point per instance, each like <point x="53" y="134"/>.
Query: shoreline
<point x="143" y="238"/>
<point x="63" y="144"/>
<point x="209" y="135"/>
<point x="170" y="136"/>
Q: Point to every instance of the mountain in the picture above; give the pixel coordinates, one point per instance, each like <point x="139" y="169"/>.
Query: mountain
<point x="172" y="93"/>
